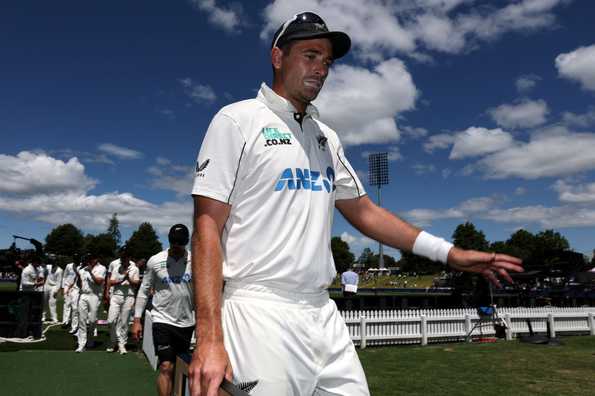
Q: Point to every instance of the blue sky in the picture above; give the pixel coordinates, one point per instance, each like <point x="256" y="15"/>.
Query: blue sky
<point x="486" y="107"/>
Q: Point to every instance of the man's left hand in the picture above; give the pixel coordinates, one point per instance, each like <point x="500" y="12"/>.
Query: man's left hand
<point x="490" y="265"/>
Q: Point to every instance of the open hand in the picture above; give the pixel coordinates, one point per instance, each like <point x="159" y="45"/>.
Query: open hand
<point x="490" y="265"/>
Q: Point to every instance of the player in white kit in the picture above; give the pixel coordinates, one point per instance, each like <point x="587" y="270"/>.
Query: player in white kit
<point x="29" y="280"/>
<point x="51" y="288"/>
<point x="41" y="275"/>
<point x="68" y="281"/>
<point x="124" y="278"/>
<point x="269" y="175"/>
<point x="91" y="276"/>
<point x="169" y="274"/>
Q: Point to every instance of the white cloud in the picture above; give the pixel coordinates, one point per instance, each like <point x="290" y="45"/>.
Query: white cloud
<point x="578" y="65"/>
<point x="485" y="208"/>
<point x="421" y="169"/>
<point x="394" y="154"/>
<point x="579" y="120"/>
<point x="526" y="83"/>
<point x="439" y="142"/>
<point x="41" y="187"/>
<point x="37" y="173"/>
<point x="119" y="151"/>
<point x="380" y="28"/>
<point x="582" y="193"/>
<point x="413" y="132"/>
<point x="520" y="191"/>
<point x="525" y="114"/>
<point x="546" y="217"/>
<point x="545" y="155"/>
<point x="361" y="105"/>
<point x="227" y="19"/>
<point x="168" y="176"/>
<point x="197" y="92"/>
<point x="479" y="141"/>
<point x="359" y="243"/>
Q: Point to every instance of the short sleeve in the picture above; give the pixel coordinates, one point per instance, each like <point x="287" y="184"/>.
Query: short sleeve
<point x="133" y="273"/>
<point x="348" y="184"/>
<point x="219" y="159"/>
<point x="100" y="272"/>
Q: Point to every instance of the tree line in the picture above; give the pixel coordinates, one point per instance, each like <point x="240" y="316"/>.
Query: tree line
<point x="546" y="250"/>
<point x="66" y="240"/>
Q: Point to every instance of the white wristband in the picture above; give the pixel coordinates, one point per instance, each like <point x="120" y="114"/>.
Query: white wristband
<point x="432" y="247"/>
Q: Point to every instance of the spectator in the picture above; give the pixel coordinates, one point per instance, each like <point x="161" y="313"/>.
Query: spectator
<point x="349" y="282"/>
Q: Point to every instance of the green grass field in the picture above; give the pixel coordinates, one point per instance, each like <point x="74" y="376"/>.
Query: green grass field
<point x="503" y="368"/>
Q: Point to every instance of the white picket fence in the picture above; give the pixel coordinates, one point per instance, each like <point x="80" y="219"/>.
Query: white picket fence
<point x="385" y="327"/>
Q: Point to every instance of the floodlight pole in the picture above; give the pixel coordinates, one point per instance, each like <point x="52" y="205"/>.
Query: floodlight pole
<point x="380" y="249"/>
<point x="378" y="175"/>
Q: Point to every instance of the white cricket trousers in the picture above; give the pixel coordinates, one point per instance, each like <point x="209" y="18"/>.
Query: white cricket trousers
<point x="74" y="296"/>
<point x="118" y="317"/>
<point x="67" y="307"/>
<point x="49" y="303"/>
<point x="293" y="344"/>
<point x="88" y="306"/>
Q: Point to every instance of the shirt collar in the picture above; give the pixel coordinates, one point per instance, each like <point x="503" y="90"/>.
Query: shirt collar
<point x="278" y="103"/>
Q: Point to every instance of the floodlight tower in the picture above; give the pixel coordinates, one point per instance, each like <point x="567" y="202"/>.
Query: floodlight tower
<point x="378" y="176"/>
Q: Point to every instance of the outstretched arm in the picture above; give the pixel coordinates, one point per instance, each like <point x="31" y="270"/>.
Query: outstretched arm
<point x="383" y="226"/>
<point x="210" y="362"/>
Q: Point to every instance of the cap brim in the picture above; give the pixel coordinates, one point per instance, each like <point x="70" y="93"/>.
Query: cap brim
<point x="340" y="41"/>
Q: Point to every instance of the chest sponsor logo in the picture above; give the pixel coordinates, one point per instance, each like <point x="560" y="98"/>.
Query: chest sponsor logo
<point x="274" y="137"/>
<point x="306" y="179"/>
<point x="176" y="279"/>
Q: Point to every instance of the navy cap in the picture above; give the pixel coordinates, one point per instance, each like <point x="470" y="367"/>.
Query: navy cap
<point x="178" y="235"/>
<point x="308" y="25"/>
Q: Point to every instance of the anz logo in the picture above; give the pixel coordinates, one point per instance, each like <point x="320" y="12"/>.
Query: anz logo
<point x="176" y="279"/>
<point x="306" y="179"/>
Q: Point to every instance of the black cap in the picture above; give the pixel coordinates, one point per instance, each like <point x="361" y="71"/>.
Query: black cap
<point x="178" y="235"/>
<point x="308" y="25"/>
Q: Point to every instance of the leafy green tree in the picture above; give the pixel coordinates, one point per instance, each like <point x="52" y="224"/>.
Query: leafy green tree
<point x="102" y="246"/>
<point x="522" y="244"/>
<point x="143" y="242"/>
<point x="366" y="258"/>
<point x="341" y="254"/>
<point x="389" y="261"/>
<point x="413" y="263"/>
<point x="466" y="236"/>
<point x="114" y="229"/>
<point x="551" y="240"/>
<point x="64" y="240"/>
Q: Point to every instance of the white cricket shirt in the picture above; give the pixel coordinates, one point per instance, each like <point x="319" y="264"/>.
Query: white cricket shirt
<point x="88" y="285"/>
<point x="173" y="299"/>
<point x="53" y="277"/>
<point x="119" y="273"/>
<point x="281" y="180"/>
<point x="28" y="278"/>
<point x="69" y="275"/>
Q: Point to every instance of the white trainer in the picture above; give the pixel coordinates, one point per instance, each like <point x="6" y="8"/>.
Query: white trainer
<point x="122" y="350"/>
<point x="80" y="349"/>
